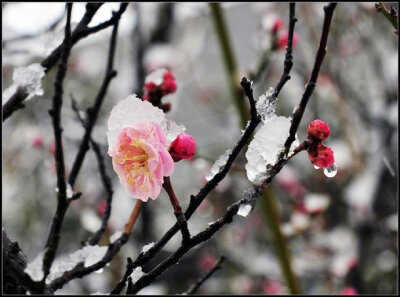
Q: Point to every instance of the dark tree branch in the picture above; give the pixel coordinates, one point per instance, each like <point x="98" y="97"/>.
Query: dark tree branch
<point x="94" y="110"/>
<point x="197" y="285"/>
<point x="288" y="63"/>
<point x="104" y="178"/>
<point x="298" y="113"/>
<point x="55" y="113"/>
<point x="232" y="210"/>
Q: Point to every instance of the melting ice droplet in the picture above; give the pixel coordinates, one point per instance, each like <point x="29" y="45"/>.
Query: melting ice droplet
<point x="330" y="171"/>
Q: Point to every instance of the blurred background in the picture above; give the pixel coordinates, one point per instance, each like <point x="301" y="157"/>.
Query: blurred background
<point x="342" y="232"/>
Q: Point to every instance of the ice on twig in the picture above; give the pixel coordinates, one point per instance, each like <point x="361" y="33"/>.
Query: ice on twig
<point x="265" y="106"/>
<point x="244" y="210"/>
<point x="172" y="130"/>
<point x="218" y="165"/>
<point x="70" y="192"/>
<point x="266" y="146"/>
<point x="35" y="268"/>
<point x="147" y="247"/>
<point x="89" y="255"/>
<point x="30" y="78"/>
<point x="137" y="274"/>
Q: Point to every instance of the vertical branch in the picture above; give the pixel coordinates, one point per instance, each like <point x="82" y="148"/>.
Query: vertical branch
<point x="94" y="110"/>
<point x="298" y="113"/>
<point x="55" y="113"/>
<point x="230" y="62"/>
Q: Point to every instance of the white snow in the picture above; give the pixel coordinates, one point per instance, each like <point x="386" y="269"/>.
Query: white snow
<point x="29" y="77"/>
<point x="218" y="165"/>
<point x="89" y="255"/>
<point x="265" y="105"/>
<point x="244" y="210"/>
<point x="35" y="268"/>
<point x="117" y="234"/>
<point x="132" y="111"/>
<point x="137" y="274"/>
<point x="266" y="146"/>
<point x="147" y="247"/>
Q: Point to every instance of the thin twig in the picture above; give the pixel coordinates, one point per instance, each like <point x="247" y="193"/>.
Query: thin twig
<point x="299" y="111"/>
<point x="177" y="209"/>
<point x="94" y="110"/>
<point x="197" y="285"/>
<point x="390" y="16"/>
<point x="133" y="217"/>
<point x="55" y="113"/>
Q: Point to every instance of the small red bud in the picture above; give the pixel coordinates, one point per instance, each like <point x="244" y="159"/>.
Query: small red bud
<point x="318" y="130"/>
<point x="278" y="24"/>
<point x="283" y="40"/>
<point x="183" y="147"/>
<point x="348" y="291"/>
<point x="150" y="86"/>
<point x="321" y="155"/>
<point x="37" y="141"/>
<point x="169" y="85"/>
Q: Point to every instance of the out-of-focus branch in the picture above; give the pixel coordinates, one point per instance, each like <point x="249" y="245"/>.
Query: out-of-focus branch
<point x="391" y="15"/>
<point x="201" y="281"/>
<point x="230" y="62"/>
<point x="93" y="112"/>
<point x="55" y="113"/>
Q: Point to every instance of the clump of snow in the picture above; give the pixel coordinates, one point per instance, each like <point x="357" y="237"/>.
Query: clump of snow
<point x="137" y="274"/>
<point x="132" y="111"/>
<point x="265" y="106"/>
<point x="172" y="130"/>
<point x="35" y="268"/>
<point x="90" y="220"/>
<point x="30" y="78"/>
<point x="266" y="146"/>
<point x="147" y="247"/>
<point x="117" y="234"/>
<point x="218" y="165"/>
<point x="70" y="192"/>
<point x="89" y="255"/>
<point x="244" y="210"/>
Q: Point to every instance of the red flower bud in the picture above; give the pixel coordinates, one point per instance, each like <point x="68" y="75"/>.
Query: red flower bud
<point x="283" y="40"/>
<point x="278" y="24"/>
<point x="321" y="155"/>
<point x="348" y="291"/>
<point x="150" y="86"/>
<point x="318" y="130"/>
<point x="183" y="147"/>
<point x="169" y="85"/>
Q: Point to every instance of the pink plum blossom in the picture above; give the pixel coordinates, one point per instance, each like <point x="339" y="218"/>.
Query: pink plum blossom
<point x="141" y="160"/>
<point x="138" y="137"/>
